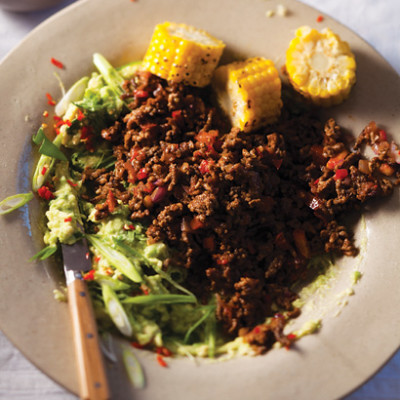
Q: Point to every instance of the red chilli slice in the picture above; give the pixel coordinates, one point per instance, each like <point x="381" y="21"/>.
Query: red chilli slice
<point x="45" y="193"/>
<point x="57" y="63"/>
<point x="137" y="345"/>
<point x="340" y="174"/>
<point x="161" y="361"/>
<point x="89" y="276"/>
<point x="73" y="184"/>
<point x="50" y="99"/>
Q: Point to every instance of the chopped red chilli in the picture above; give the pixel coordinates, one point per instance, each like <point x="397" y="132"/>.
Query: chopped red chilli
<point x="163" y="351"/>
<point x="50" y="99"/>
<point x="68" y="219"/>
<point x="45" y="193"/>
<point x="73" y="184"/>
<point x="137" y="345"/>
<point x="89" y="276"/>
<point x="57" y="63"/>
<point x="161" y="361"/>
<point x="80" y="115"/>
<point x="341" y="174"/>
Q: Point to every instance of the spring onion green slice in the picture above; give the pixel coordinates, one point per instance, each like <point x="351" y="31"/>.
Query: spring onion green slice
<point x="133" y="367"/>
<point x="211" y="334"/>
<point x="47" y="147"/>
<point x="204" y="317"/>
<point x="44" y="167"/>
<point x="153" y="299"/>
<point x="154" y="263"/>
<point x="74" y="93"/>
<point x="109" y="73"/>
<point x="46" y="252"/>
<point x="11" y="203"/>
<point x="107" y="347"/>
<point x="128" y="70"/>
<point x="116" y="311"/>
<point x="116" y="258"/>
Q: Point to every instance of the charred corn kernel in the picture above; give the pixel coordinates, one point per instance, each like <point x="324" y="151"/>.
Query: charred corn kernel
<point x="320" y="66"/>
<point x="249" y="92"/>
<point x="182" y="53"/>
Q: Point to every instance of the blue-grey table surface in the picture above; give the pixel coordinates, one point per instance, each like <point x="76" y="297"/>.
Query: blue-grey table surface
<point x="19" y="379"/>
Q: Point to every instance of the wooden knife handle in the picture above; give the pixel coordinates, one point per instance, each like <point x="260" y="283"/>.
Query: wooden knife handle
<point x="91" y="372"/>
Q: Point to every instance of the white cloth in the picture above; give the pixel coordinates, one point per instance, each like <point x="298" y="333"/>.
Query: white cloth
<point x="375" y="21"/>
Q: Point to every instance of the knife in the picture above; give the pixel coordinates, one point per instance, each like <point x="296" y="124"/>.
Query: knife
<point x="93" y="383"/>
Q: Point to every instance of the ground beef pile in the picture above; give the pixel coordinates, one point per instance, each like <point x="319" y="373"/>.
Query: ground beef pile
<point x="243" y="213"/>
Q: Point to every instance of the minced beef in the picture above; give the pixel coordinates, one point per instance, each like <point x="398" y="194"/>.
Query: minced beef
<point x="243" y="213"/>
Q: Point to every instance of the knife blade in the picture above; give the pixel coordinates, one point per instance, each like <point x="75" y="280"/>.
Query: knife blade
<point x="92" y="377"/>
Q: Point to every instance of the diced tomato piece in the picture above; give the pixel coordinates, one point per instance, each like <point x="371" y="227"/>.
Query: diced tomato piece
<point x="337" y="161"/>
<point x="386" y="169"/>
<point x="149" y="187"/>
<point x="142" y="174"/>
<point x="382" y="135"/>
<point x="205" y="166"/>
<point x="207" y="137"/>
<point x="111" y="202"/>
<point x="195" y="224"/>
<point x="141" y="94"/>
<point x="340" y="174"/>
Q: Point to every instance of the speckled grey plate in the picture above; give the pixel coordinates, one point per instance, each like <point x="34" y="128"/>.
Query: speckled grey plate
<point x="354" y="340"/>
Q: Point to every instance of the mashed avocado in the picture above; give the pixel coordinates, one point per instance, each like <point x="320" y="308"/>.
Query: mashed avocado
<point x="63" y="210"/>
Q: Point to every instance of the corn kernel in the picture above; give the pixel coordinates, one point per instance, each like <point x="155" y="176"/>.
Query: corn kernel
<point x="182" y="53"/>
<point x="320" y="66"/>
<point x="249" y="92"/>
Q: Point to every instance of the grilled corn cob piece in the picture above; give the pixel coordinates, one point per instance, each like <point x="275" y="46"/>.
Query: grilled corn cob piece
<point x="249" y="92"/>
<point x="320" y="66"/>
<point x="182" y="53"/>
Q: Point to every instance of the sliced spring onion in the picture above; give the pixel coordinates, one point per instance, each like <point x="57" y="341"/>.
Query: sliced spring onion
<point x="44" y="253"/>
<point x="109" y="73"/>
<point x="155" y="263"/>
<point x="107" y="346"/>
<point x="116" y="259"/>
<point x="115" y="284"/>
<point x="133" y="367"/>
<point x="128" y="70"/>
<point x="74" y="93"/>
<point x="44" y="166"/>
<point x="116" y="311"/>
<point x="167" y="277"/>
<point x="207" y="314"/>
<point x="47" y="147"/>
<point x="153" y="299"/>
<point x="11" y="203"/>
<point x="210" y="330"/>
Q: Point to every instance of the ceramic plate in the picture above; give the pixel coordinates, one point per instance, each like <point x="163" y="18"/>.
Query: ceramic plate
<point x="354" y="341"/>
